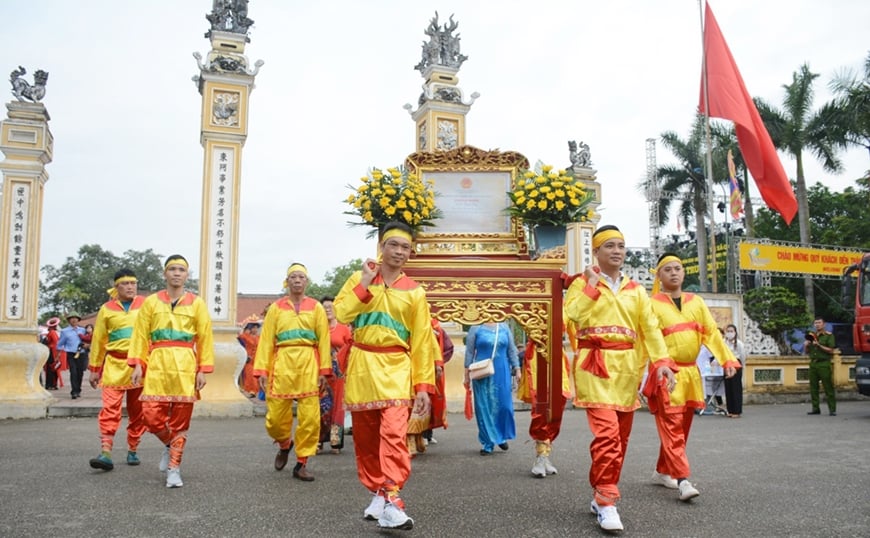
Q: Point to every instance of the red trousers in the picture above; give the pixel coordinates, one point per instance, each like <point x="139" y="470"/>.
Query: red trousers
<point x="110" y="417"/>
<point x="382" y="458"/>
<point x="169" y="421"/>
<point x="674" y="434"/>
<point x="542" y="430"/>
<point x="610" y="431"/>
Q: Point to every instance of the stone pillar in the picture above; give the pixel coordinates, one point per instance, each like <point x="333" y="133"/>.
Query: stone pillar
<point x="27" y="145"/>
<point x="225" y="83"/>
<point x="580" y="233"/>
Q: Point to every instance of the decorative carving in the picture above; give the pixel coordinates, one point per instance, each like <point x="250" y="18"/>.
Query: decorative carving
<point x="22" y="89"/>
<point x="229" y="16"/>
<point x="580" y="158"/>
<point x="756" y="342"/>
<point x="423" y="137"/>
<point x="531" y="316"/>
<point x="466" y="158"/>
<point x="229" y="63"/>
<point x="448" y="138"/>
<point x="225" y="109"/>
<point x="443" y="46"/>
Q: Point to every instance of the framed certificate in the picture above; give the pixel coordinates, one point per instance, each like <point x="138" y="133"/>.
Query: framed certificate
<point x="471" y="187"/>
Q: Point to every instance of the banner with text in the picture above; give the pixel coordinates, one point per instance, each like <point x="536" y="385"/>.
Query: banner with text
<point x="795" y="259"/>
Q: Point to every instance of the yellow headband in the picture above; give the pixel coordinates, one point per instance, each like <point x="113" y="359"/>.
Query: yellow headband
<point x="657" y="283"/>
<point x="113" y="292"/>
<point x="179" y="261"/>
<point x="297" y="267"/>
<point x="395" y="232"/>
<point x="601" y="238"/>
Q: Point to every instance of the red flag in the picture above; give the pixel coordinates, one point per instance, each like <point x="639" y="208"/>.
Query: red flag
<point x="735" y="198"/>
<point x="729" y="100"/>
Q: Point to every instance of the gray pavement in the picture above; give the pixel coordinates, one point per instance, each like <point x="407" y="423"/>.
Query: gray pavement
<point x="773" y="472"/>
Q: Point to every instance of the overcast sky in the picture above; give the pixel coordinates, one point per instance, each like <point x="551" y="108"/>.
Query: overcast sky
<point x="127" y="169"/>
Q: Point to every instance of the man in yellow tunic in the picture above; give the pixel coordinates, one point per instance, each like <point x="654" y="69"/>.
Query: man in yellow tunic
<point x="293" y="360"/>
<point x="173" y="346"/>
<point x="616" y="331"/>
<point x="109" y="369"/>
<point x="687" y="324"/>
<point x="390" y="368"/>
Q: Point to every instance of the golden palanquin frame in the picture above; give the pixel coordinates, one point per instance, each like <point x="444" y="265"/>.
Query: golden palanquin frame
<point x="472" y="278"/>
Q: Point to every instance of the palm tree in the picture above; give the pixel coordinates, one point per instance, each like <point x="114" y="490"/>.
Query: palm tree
<point x="794" y="129"/>
<point x="685" y="183"/>
<point x="849" y="114"/>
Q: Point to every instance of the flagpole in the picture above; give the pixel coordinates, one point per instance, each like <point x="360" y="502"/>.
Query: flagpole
<point x="708" y="174"/>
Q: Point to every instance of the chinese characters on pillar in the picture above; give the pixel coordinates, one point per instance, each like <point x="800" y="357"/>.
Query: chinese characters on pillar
<point x="585" y="247"/>
<point x="15" y="257"/>
<point x="220" y="247"/>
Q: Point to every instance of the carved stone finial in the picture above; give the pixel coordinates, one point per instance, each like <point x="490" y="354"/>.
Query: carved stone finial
<point x="22" y="89"/>
<point x="229" y="16"/>
<point x="580" y="158"/>
<point x="443" y="46"/>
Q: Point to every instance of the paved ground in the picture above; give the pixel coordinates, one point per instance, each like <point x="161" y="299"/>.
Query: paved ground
<point x="774" y="472"/>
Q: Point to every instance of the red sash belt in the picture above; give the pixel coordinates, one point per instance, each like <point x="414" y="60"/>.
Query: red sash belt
<point x="171" y="343"/>
<point x="117" y="354"/>
<point x="376" y="349"/>
<point x="679" y="327"/>
<point x="594" y="363"/>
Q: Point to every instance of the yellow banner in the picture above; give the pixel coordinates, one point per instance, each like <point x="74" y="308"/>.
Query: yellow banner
<point x="795" y="259"/>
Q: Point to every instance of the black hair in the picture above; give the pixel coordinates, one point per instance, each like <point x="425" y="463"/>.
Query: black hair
<point x="174" y="257"/>
<point x="120" y="273"/>
<point x="397" y="225"/>
<point x="665" y="255"/>
<point x="605" y="228"/>
<point x="325" y="298"/>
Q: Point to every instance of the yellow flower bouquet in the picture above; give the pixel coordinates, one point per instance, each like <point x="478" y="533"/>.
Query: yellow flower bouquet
<point x="547" y="197"/>
<point x="394" y="195"/>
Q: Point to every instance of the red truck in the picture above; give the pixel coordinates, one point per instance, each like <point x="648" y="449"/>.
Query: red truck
<point x="856" y="294"/>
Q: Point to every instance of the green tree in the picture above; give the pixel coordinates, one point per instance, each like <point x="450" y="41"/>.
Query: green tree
<point x="334" y="280"/>
<point x="849" y="113"/>
<point x="80" y="284"/>
<point x="795" y="129"/>
<point x="777" y="310"/>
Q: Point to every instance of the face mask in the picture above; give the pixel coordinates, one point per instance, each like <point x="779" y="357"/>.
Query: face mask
<point x="730" y="334"/>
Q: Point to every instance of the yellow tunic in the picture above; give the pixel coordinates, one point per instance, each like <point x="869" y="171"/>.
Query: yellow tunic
<point x="294" y="348"/>
<point x="111" y="340"/>
<point x="685" y="330"/>
<point x="623" y="318"/>
<point x="394" y="317"/>
<point x="172" y="345"/>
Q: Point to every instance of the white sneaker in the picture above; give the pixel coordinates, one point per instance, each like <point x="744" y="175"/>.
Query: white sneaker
<point x="549" y="466"/>
<point x="164" y="460"/>
<point x="395" y="518"/>
<point x="687" y="491"/>
<point x="608" y="517"/>
<point x="664" y="480"/>
<point x="375" y="508"/>
<point x="539" y="469"/>
<point x="173" y="478"/>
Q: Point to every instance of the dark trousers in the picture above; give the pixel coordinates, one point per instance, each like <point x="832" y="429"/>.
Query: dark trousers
<point x="734" y="393"/>
<point x="50" y="373"/>
<point x="821" y="370"/>
<point x="77" y="367"/>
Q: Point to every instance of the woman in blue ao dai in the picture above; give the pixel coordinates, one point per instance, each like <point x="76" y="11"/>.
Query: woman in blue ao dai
<point x="493" y="395"/>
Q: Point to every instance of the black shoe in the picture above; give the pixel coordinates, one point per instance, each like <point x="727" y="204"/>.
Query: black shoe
<point x="814" y="412"/>
<point x="484" y="452"/>
<point x="503" y="446"/>
<point x="833" y="413"/>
